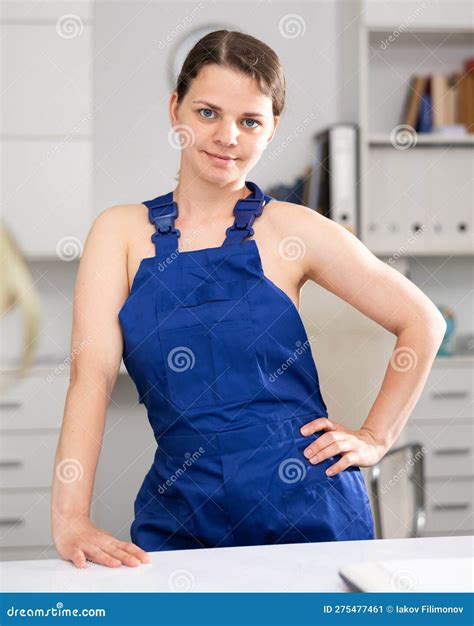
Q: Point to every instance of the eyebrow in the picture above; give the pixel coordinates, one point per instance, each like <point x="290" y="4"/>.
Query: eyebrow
<point x="218" y="108"/>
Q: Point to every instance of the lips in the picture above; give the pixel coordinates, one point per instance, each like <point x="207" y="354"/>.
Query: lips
<point x="221" y="156"/>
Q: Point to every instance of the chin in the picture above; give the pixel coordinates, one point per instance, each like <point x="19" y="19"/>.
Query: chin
<point x="219" y="175"/>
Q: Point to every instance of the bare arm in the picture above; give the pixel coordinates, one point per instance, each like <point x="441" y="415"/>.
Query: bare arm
<point x="338" y="261"/>
<point x="96" y="351"/>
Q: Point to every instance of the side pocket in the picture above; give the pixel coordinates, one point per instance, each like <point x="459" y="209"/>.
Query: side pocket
<point x="332" y="509"/>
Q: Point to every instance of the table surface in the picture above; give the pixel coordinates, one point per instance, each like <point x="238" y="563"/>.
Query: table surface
<point x="293" y="567"/>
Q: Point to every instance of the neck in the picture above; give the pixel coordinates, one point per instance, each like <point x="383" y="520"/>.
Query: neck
<point x="201" y="200"/>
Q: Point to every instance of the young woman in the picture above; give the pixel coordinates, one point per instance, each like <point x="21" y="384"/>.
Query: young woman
<point x="197" y="290"/>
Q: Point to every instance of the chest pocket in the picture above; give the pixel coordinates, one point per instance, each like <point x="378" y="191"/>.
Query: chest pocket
<point x="208" y="345"/>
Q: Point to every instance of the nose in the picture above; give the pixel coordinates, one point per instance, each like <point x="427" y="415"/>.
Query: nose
<point x="226" y="133"/>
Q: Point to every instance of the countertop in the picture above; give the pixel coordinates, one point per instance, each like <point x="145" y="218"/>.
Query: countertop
<point x="298" y="567"/>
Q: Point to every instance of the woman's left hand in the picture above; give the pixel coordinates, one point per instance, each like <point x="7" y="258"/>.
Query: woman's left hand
<point x="356" y="447"/>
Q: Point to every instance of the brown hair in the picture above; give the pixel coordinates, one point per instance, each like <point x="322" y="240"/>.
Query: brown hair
<point x="241" y="52"/>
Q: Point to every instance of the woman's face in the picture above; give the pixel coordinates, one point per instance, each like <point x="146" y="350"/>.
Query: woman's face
<point x="223" y="114"/>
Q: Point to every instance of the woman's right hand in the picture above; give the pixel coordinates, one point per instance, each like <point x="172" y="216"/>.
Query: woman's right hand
<point x="78" y="539"/>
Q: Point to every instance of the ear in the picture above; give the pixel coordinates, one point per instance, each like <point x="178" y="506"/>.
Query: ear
<point x="276" y="121"/>
<point x="173" y="108"/>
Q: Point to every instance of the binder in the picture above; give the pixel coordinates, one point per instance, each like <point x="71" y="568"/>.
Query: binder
<point x="334" y="181"/>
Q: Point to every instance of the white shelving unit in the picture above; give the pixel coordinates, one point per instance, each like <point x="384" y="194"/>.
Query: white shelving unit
<point x="415" y="200"/>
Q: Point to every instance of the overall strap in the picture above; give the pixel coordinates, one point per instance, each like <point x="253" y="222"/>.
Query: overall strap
<point x="246" y="211"/>
<point x="162" y="212"/>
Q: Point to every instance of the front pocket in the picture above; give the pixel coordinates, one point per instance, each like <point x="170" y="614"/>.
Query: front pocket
<point x="209" y="365"/>
<point x="203" y="293"/>
<point x="332" y="509"/>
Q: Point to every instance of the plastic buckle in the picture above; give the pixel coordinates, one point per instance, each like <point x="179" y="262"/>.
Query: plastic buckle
<point x="248" y="204"/>
<point x="164" y="222"/>
<point x="238" y="224"/>
<point x="157" y="234"/>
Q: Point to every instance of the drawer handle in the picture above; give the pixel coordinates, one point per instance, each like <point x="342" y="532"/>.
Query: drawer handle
<point x="11" y="521"/>
<point x="10" y="405"/>
<point x="452" y="451"/>
<point x="8" y="464"/>
<point x="440" y="395"/>
<point x="461" y="506"/>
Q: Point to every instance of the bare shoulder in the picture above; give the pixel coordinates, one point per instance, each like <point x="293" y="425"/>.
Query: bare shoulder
<point x="119" y="225"/>
<point x="308" y="235"/>
<point x="119" y="217"/>
<point x="289" y="217"/>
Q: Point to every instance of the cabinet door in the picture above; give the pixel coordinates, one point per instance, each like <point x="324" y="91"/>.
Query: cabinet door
<point x="25" y="518"/>
<point x="47" y="196"/>
<point x="35" y="401"/>
<point x="448" y="448"/>
<point x="449" y="506"/>
<point x="447" y="394"/>
<point x="46" y="151"/>
<point x="397" y="201"/>
<point x="47" y="74"/>
<point x="451" y="206"/>
<point x="27" y="461"/>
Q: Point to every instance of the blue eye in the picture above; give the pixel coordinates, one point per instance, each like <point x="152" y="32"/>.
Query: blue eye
<point x="200" y="110"/>
<point x="249" y="119"/>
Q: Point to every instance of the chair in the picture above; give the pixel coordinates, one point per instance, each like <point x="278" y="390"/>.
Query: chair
<point x="415" y="475"/>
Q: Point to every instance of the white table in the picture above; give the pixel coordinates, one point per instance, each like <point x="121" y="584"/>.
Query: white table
<point x="288" y="567"/>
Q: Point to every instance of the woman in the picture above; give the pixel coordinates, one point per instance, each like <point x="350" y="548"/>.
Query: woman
<point x="204" y="310"/>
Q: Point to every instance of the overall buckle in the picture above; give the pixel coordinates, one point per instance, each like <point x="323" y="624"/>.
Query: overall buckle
<point x="251" y="205"/>
<point x="164" y="222"/>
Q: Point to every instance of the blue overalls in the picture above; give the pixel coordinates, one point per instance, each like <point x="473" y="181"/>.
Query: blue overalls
<point x="222" y="362"/>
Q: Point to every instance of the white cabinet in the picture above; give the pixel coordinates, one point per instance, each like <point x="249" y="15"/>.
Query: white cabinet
<point x="49" y="77"/>
<point x="47" y="127"/>
<point x="443" y="423"/>
<point x="31" y="412"/>
<point x="47" y="195"/>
